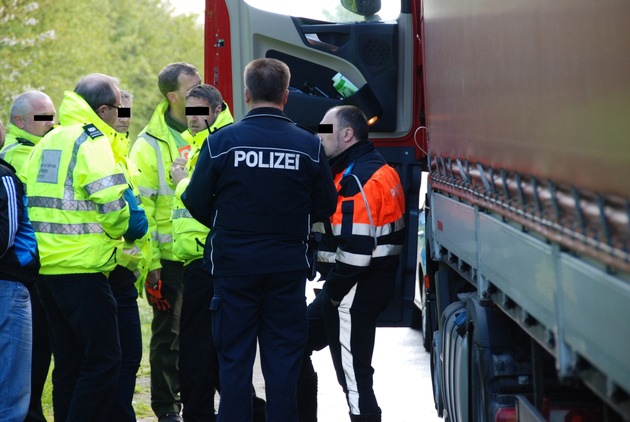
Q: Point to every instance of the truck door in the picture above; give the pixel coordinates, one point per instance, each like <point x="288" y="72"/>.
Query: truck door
<point x="321" y="41"/>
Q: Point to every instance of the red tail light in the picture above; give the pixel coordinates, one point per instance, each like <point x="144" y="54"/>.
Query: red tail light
<point x="506" y="414"/>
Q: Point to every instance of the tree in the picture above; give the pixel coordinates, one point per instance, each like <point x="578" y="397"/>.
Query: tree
<point x="49" y="44"/>
<point x="21" y="41"/>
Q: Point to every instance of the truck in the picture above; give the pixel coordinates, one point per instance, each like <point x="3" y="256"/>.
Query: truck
<point x="509" y="124"/>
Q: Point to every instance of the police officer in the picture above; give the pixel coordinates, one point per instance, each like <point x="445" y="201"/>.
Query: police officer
<point x="258" y="185"/>
<point x="79" y="216"/>
<point x="32" y="116"/>
<point x="358" y="257"/>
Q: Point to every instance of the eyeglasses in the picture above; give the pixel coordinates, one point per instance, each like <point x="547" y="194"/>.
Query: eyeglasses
<point x="123" y="112"/>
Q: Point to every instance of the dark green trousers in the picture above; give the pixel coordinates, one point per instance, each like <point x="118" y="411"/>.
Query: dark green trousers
<point x="164" y="346"/>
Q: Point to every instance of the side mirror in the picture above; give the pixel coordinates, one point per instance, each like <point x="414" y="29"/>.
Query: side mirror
<point x="362" y="7"/>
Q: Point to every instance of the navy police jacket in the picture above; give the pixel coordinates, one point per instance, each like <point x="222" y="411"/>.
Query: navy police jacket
<point x="259" y="185"/>
<point x="19" y="257"/>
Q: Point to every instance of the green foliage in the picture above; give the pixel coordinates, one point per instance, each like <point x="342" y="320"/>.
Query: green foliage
<point x="50" y="44"/>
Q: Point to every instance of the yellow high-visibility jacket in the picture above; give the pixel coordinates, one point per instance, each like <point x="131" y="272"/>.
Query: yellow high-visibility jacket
<point x="75" y="192"/>
<point x="153" y="153"/>
<point x="18" y="146"/>
<point x="136" y="255"/>
<point x="189" y="235"/>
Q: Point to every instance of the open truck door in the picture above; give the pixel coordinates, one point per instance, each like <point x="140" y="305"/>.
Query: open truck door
<point x="372" y="49"/>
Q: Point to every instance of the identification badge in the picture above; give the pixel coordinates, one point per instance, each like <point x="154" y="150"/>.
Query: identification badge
<point x="49" y="166"/>
<point x="92" y="131"/>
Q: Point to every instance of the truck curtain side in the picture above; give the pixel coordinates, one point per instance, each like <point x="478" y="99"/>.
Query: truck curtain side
<point x="529" y="156"/>
<point x="518" y="111"/>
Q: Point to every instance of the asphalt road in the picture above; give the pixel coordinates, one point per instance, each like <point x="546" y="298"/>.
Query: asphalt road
<point x="402" y="379"/>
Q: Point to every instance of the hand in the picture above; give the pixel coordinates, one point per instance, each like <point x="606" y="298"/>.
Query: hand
<point x="180" y="162"/>
<point x="154" y="295"/>
<point x="178" y="173"/>
<point x="154" y="276"/>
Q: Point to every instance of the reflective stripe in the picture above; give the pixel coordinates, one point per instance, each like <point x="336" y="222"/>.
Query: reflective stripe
<point x="325" y="256"/>
<point x="112" y="206"/>
<point x="366" y="230"/>
<point x="58" y="228"/>
<point x="386" y="250"/>
<point x="7" y="149"/>
<point x="105" y="182"/>
<point x="181" y="213"/>
<point x="69" y="183"/>
<point x="358" y="260"/>
<point x="347" y="358"/>
<point x="146" y="192"/>
<point x="134" y="250"/>
<point x="162" y="238"/>
<point x="163" y="187"/>
<point x="354" y="259"/>
<point x="12" y="210"/>
<point x="75" y="205"/>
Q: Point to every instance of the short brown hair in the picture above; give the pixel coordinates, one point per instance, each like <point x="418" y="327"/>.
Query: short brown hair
<point x="168" y="77"/>
<point x="267" y="80"/>
<point x="206" y="92"/>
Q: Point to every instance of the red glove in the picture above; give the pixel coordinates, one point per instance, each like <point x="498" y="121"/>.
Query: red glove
<point x="154" y="294"/>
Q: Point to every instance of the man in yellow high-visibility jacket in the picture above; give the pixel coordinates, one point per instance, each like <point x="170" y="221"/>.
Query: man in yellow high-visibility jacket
<point x="32" y="115"/>
<point x="156" y="148"/>
<point x="79" y="215"/>
<point x="129" y="276"/>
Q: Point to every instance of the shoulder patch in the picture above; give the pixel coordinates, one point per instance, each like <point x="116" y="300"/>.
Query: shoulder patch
<point x="26" y="142"/>
<point x="92" y="131"/>
<point x="216" y="129"/>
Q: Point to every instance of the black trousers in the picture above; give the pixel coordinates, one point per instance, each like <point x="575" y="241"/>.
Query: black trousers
<point x="84" y="336"/>
<point x="122" y="282"/>
<point x="198" y="363"/>
<point x="349" y="331"/>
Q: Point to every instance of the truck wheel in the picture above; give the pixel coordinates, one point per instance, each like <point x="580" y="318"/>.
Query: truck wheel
<point x="435" y="374"/>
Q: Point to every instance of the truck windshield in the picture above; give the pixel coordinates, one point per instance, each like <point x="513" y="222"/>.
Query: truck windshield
<point x="326" y="10"/>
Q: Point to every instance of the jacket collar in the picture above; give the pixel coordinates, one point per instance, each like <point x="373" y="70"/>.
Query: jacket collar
<point x="347" y="157"/>
<point x="75" y="110"/>
<point x="266" y="111"/>
<point x="18" y="132"/>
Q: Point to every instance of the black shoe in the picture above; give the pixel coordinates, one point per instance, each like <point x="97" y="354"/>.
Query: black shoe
<point x="171" y="417"/>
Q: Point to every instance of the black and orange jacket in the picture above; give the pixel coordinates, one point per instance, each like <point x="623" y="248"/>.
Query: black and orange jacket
<point x="365" y="235"/>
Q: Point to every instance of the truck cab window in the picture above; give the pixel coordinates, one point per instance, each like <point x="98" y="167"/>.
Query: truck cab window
<point x="326" y="10"/>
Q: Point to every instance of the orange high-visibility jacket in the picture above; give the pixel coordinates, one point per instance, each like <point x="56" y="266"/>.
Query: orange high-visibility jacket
<point x="365" y="235"/>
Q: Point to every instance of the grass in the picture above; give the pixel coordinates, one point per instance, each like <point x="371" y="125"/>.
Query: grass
<point x="142" y="395"/>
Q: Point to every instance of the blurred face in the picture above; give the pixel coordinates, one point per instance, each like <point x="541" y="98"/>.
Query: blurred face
<point x="40" y="119"/>
<point x="122" y="123"/>
<point x="333" y="143"/>
<point x="197" y="123"/>
<point x="109" y="112"/>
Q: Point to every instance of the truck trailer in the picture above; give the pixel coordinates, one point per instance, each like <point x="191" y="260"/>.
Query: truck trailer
<point x="517" y="116"/>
